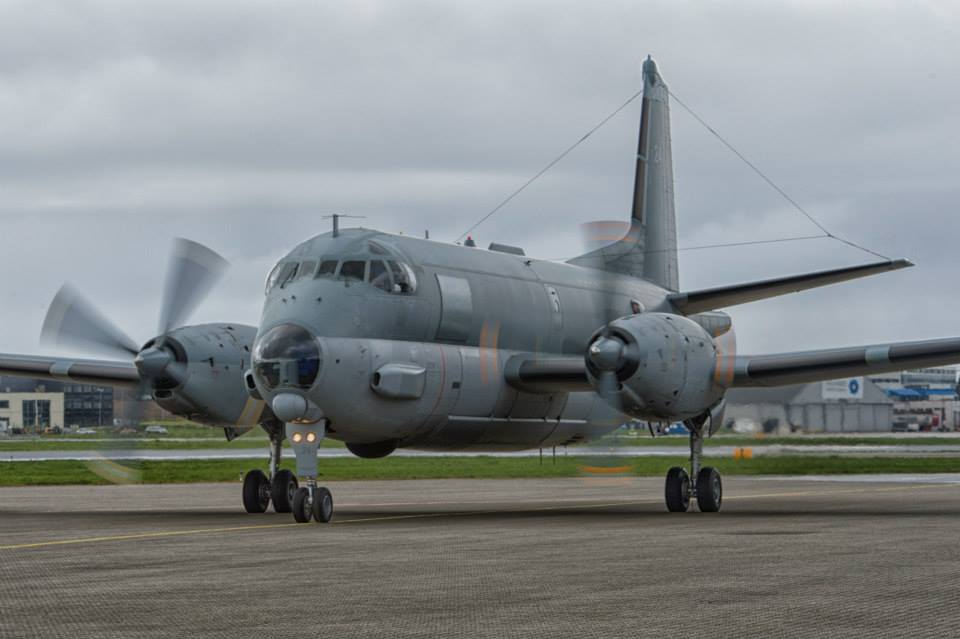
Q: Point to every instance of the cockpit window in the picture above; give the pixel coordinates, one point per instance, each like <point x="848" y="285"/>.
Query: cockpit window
<point x="306" y="269"/>
<point x="328" y="268"/>
<point x="379" y="276"/>
<point x="404" y="281"/>
<point x="272" y="279"/>
<point x="352" y="270"/>
<point x="282" y="274"/>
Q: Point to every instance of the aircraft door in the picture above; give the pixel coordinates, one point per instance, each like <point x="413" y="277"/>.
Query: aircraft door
<point x="456" y="308"/>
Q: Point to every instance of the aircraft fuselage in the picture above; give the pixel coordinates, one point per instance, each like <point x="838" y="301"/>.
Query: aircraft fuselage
<point x="417" y="356"/>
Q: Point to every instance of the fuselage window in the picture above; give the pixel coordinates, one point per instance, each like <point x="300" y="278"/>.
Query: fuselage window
<point x="353" y="270"/>
<point x="306" y="269"/>
<point x="404" y="281"/>
<point x="328" y="268"/>
<point x="379" y="276"/>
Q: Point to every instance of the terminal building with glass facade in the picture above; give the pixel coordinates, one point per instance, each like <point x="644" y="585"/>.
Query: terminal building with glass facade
<point x="83" y="405"/>
<point x="30" y="412"/>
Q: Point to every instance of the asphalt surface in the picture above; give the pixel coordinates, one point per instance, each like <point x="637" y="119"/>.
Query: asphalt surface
<point x="593" y="557"/>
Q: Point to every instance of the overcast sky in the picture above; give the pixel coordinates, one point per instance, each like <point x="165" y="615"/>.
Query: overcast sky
<point x="240" y="124"/>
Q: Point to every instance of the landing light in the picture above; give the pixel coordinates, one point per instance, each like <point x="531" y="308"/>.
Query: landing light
<point x="311" y="437"/>
<point x="297" y="438"/>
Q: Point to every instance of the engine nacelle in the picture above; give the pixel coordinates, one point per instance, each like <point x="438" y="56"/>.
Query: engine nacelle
<point x="206" y="383"/>
<point x="656" y="367"/>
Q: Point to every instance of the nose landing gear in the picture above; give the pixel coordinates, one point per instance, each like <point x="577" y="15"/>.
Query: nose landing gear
<point x="706" y="487"/>
<point x="310" y="501"/>
<point x="313" y="501"/>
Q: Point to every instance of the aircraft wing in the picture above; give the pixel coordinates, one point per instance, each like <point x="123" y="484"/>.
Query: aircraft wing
<point x="84" y="371"/>
<point x="813" y="366"/>
<point x="715" y="298"/>
<point x="568" y="374"/>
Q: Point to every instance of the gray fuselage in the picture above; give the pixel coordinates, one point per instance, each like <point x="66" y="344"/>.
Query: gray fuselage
<point x="414" y="352"/>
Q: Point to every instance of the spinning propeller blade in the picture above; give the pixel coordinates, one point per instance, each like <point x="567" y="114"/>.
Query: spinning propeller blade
<point x="73" y="321"/>
<point x="192" y="272"/>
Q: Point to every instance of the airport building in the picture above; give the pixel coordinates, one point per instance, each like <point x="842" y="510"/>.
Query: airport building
<point x="30" y="412"/>
<point x="914" y="400"/>
<point x="925" y="399"/>
<point x="853" y="405"/>
<point x="84" y="405"/>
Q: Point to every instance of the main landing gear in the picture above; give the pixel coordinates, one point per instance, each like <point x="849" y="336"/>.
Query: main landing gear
<point x="706" y="487"/>
<point x="281" y="485"/>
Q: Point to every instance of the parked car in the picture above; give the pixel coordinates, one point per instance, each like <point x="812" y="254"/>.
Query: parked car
<point x="85" y="431"/>
<point x="155" y="429"/>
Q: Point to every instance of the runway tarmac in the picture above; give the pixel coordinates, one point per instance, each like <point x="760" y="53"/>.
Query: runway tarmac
<point x="594" y="557"/>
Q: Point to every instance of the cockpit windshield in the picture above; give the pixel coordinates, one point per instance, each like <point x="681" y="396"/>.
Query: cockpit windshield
<point x="379" y="267"/>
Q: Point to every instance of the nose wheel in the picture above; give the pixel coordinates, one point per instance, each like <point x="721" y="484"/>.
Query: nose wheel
<point x="707" y="487"/>
<point x="313" y="502"/>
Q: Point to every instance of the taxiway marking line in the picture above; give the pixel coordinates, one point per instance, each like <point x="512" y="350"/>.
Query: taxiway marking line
<point x="465" y="513"/>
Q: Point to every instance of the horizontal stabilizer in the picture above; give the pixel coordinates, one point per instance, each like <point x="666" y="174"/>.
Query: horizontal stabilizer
<point x="716" y="298"/>
<point x="814" y="366"/>
<point x="85" y="371"/>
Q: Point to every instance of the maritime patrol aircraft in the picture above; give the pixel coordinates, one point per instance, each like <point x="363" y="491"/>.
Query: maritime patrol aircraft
<point x="385" y="341"/>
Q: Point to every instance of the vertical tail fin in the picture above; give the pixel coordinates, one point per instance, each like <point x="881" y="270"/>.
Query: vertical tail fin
<point x="649" y="248"/>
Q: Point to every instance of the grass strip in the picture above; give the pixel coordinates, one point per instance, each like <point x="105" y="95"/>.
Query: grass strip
<point x="399" y="468"/>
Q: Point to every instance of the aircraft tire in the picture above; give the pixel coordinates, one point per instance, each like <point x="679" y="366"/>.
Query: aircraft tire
<point x="256" y="492"/>
<point x="677" y="490"/>
<point x="282" y="489"/>
<point x="301" y="505"/>
<point x="323" y="505"/>
<point x="709" y="490"/>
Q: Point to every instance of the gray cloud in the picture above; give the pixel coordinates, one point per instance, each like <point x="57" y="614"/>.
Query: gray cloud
<point x="241" y="124"/>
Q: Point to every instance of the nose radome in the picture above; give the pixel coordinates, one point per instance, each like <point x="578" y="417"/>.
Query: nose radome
<point x="290" y="407"/>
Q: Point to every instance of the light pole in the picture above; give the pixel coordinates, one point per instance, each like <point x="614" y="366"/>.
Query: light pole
<point x="100" y="408"/>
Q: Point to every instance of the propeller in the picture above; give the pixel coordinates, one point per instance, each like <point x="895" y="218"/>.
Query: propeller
<point x="192" y="272"/>
<point x="608" y="354"/>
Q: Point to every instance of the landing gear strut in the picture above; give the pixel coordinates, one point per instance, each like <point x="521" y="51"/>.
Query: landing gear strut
<point x="706" y="487"/>
<point x="259" y="489"/>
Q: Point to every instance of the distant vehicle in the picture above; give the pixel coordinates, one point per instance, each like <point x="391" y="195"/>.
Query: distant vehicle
<point x="52" y="430"/>
<point x="85" y="431"/>
<point x="676" y="428"/>
<point x="154" y="429"/>
<point x="903" y="427"/>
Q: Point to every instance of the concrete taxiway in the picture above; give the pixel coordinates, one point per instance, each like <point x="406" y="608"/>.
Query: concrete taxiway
<point x="593" y="557"/>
